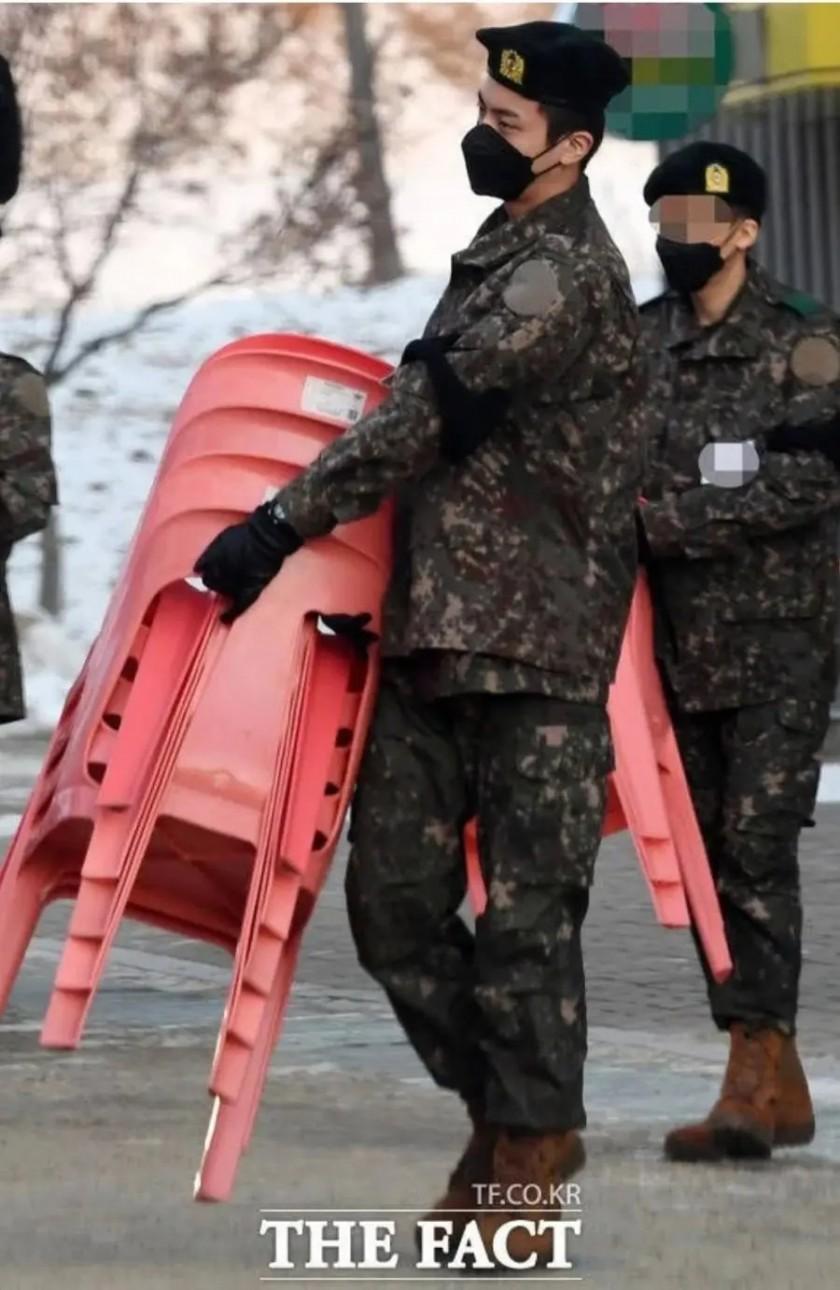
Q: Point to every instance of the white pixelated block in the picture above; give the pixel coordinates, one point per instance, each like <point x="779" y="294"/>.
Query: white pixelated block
<point x="729" y="456"/>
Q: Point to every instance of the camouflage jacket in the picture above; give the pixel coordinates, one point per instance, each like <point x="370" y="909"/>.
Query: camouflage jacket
<point x="526" y="552"/>
<point x="744" y="578"/>
<point x="27" y="491"/>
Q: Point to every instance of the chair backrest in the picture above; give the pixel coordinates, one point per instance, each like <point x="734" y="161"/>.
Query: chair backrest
<point x="255" y="412"/>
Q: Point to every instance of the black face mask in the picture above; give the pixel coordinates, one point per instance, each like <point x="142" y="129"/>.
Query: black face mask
<point x="688" y="265"/>
<point x="494" y="167"/>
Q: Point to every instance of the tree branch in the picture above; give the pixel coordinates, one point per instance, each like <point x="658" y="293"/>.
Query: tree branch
<point x="134" y="325"/>
<point x="79" y="289"/>
<point x="75" y="292"/>
<point x="60" y="239"/>
<point x="111" y="227"/>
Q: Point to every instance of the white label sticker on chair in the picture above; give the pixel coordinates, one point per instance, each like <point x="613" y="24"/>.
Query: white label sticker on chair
<point x="329" y="399"/>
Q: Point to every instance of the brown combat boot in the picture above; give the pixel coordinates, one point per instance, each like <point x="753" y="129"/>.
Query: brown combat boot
<point x="474" y="1166"/>
<point x="794" y="1111"/>
<point x="764" y="1102"/>
<point x="539" y="1162"/>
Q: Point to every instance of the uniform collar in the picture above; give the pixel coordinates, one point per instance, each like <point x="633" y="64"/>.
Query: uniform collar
<point x="500" y="236"/>
<point x="737" y="335"/>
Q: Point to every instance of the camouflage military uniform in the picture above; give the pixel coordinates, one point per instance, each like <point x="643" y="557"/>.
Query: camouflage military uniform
<point x="500" y="1018"/>
<point x="512" y="579"/>
<point x="526" y="552"/>
<point x="27" y="491"/>
<point x="744" y="583"/>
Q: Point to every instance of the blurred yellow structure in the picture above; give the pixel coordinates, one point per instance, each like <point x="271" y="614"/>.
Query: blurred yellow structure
<point x="783" y="47"/>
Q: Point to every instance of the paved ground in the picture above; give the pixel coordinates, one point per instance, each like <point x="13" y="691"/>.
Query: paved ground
<point x="99" y="1147"/>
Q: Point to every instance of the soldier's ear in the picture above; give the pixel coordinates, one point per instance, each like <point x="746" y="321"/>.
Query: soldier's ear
<point x="746" y="234"/>
<point x="575" y="148"/>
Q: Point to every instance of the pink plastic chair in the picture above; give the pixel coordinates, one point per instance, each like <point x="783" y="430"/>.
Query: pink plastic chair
<point x="130" y="786"/>
<point x="659" y="809"/>
<point x="265" y="962"/>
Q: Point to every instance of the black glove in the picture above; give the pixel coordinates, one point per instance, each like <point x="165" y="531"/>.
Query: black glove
<point x="354" y="627"/>
<point x="242" y="560"/>
<point x="823" y="438"/>
<point x="468" y="418"/>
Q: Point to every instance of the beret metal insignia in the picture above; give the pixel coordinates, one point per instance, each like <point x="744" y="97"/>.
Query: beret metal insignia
<point x="512" y="66"/>
<point x="717" y="178"/>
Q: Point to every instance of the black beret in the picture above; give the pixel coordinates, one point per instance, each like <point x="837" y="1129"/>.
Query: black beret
<point x="555" y="63"/>
<point x="11" y="136"/>
<point x="716" y="168"/>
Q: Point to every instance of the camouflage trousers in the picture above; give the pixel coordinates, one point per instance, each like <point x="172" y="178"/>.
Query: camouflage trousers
<point x="753" y="774"/>
<point x="498" y="1016"/>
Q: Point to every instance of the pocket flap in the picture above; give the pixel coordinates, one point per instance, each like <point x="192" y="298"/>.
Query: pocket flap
<point x="805" y="715"/>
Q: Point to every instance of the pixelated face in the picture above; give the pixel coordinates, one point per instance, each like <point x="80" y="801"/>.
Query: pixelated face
<point x="695" y="218"/>
<point x="517" y="119"/>
<point x="681" y="59"/>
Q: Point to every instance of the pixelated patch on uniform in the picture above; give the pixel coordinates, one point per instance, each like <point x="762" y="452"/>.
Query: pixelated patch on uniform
<point x="553" y="736"/>
<point x="533" y="289"/>
<point x="30" y="392"/>
<point x="728" y="465"/>
<point x="816" y="360"/>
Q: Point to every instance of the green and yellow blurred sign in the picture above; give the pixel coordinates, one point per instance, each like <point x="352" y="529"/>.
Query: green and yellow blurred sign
<point x="684" y="60"/>
<point x="680" y="60"/>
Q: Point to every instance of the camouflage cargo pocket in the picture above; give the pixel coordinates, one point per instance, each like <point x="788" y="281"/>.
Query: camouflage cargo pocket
<point x="774" y="769"/>
<point x="558" y="798"/>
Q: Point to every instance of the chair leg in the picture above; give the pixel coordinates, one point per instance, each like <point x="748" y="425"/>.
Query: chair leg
<point x="20" y="911"/>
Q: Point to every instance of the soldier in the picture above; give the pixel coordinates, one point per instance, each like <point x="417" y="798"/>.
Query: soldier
<point x="27" y="478"/>
<point x="741" y="527"/>
<point x="515" y="469"/>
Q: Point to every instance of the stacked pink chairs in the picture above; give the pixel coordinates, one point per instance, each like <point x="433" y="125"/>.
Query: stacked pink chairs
<point x="199" y="776"/>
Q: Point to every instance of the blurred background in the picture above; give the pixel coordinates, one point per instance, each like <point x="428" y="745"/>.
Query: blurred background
<point x="199" y="172"/>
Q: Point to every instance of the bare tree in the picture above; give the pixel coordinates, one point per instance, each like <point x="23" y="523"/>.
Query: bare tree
<point x="121" y="103"/>
<point x="124" y="100"/>
<point x="126" y="104"/>
<point x="371" y="182"/>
